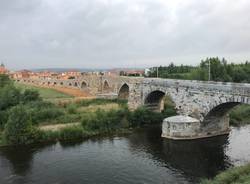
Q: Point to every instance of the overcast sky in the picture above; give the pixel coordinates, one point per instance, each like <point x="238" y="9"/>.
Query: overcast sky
<point x="121" y="33"/>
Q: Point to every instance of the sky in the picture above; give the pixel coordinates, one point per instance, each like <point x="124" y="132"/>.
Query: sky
<point x="121" y="33"/>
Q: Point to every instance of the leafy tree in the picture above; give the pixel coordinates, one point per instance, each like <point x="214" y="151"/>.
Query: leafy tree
<point x="9" y="96"/>
<point x="220" y="70"/>
<point x="18" y="129"/>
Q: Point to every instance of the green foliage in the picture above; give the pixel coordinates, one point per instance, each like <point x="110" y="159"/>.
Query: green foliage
<point x="142" y="116"/>
<point x="73" y="132"/>
<point x="47" y="136"/>
<point x="3" y="119"/>
<point x="171" y="71"/>
<point x="169" y="107"/>
<point x="30" y="95"/>
<point x="9" y="96"/>
<point x="4" y="80"/>
<point x="72" y="108"/>
<point x="18" y="129"/>
<point x="220" y="71"/>
<point x="104" y="121"/>
<point x="240" y="115"/>
<point x="41" y="111"/>
<point x="232" y="176"/>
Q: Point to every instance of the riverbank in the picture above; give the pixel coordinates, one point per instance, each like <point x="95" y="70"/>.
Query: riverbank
<point x="235" y="175"/>
<point x="240" y="115"/>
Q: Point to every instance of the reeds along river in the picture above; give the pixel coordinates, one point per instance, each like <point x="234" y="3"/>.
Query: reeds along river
<point x="141" y="157"/>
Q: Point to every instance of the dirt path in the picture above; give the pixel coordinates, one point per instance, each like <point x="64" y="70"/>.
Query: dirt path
<point x="57" y="126"/>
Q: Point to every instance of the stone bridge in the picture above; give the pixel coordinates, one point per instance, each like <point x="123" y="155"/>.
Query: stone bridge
<point x="207" y="102"/>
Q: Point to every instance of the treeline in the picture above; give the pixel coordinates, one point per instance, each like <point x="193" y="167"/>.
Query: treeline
<point x="220" y="70"/>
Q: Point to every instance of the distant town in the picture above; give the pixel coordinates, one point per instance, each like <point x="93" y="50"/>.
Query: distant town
<point x="67" y="74"/>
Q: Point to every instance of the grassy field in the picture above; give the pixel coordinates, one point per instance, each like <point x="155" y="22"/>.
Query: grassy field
<point x="237" y="175"/>
<point x="45" y="93"/>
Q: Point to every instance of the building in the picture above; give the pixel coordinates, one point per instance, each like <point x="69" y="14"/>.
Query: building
<point x="3" y="70"/>
<point x="22" y="74"/>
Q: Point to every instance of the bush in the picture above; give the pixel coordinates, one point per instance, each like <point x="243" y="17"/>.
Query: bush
<point x="72" y="109"/>
<point x="30" y="95"/>
<point x="232" y="176"/>
<point x="18" y="129"/>
<point x="9" y="96"/>
<point x="43" y="111"/>
<point x="46" y="114"/>
<point x="142" y="116"/>
<point x="104" y="121"/>
<point x="47" y="136"/>
<point x="4" y="80"/>
<point x="3" y="119"/>
<point x="73" y="132"/>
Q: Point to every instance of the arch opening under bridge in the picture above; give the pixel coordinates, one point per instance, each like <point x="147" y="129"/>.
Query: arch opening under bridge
<point x="124" y="92"/>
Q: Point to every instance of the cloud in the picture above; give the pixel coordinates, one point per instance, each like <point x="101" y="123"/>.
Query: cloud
<point x="121" y="33"/>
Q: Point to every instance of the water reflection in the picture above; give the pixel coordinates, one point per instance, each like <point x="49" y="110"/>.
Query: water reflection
<point x="20" y="158"/>
<point x="196" y="159"/>
<point x="141" y="157"/>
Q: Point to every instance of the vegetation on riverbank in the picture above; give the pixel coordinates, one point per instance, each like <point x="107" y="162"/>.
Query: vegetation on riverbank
<point x="237" y="175"/>
<point x="23" y="112"/>
<point x="240" y="115"/>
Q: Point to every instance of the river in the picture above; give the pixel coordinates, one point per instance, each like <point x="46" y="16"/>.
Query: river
<point x="142" y="157"/>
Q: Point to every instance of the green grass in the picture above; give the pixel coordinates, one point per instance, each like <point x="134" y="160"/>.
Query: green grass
<point x="45" y="93"/>
<point x="240" y="115"/>
<point x="237" y="175"/>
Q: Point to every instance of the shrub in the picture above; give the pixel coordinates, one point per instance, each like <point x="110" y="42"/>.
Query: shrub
<point x="232" y="176"/>
<point x="72" y="109"/>
<point x="18" y="129"/>
<point x="9" y="96"/>
<point x="46" y="114"/>
<point x="3" y="119"/>
<point x="104" y="121"/>
<point x="73" y="132"/>
<point x="168" y="112"/>
<point x="142" y="116"/>
<point x="47" y="136"/>
<point x="43" y="111"/>
<point x="30" y="95"/>
<point x="4" y="80"/>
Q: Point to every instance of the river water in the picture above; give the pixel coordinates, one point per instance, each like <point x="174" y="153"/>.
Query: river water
<point x="142" y="157"/>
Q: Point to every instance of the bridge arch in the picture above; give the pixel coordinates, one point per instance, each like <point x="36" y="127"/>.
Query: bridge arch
<point x="154" y="100"/>
<point x="123" y="92"/>
<point x="106" y="86"/>
<point x="76" y="84"/>
<point x="84" y="84"/>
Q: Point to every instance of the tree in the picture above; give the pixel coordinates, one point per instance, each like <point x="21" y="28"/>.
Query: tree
<point x="18" y="129"/>
<point x="9" y="96"/>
